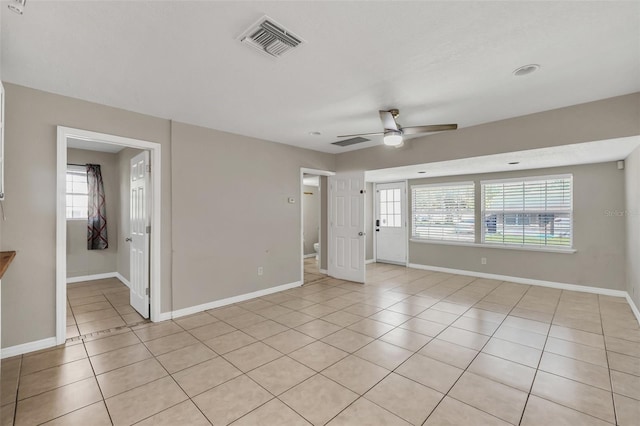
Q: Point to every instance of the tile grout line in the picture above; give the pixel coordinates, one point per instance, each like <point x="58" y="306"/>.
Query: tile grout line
<point x="535" y="374"/>
<point x="478" y="353"/>
<point x="606" y="354"/>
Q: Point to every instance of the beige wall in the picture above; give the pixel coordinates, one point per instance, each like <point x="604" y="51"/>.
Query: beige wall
<point x="311" y="215"/>
<point x="80" y="261"/>
<point x="599" y="237"/>
<point x="605" y="119"/>
<point x="28" y="287"/>
<point x="231" y="215"/>
<point x="124" y="220"/>
<point x="220" y="181"/>
<point x="632" y="220"/>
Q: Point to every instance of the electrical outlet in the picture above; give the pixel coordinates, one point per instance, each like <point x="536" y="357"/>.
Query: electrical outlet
<point x="260" y="270"/>
<point x="483" y="260"/>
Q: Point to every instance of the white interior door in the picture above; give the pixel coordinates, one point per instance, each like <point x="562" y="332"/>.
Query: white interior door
<point x="139" y="238"/>
<point x="346" y="226"/>
<point x="391" y="222"/>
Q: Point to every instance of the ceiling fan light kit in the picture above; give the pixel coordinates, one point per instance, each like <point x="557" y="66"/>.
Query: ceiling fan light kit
<point x="393" y="132"/>
<point x="393" y="138"/>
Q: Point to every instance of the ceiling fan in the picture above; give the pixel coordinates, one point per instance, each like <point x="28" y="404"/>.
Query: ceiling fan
<point x="394" y="132"/>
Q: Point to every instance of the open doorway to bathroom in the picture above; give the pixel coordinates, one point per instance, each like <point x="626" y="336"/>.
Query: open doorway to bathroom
<point x="313" y="200"/>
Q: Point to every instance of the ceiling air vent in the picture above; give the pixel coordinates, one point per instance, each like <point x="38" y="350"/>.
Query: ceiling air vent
<point x="351" y="141"/>
<point x="270" y="38"/>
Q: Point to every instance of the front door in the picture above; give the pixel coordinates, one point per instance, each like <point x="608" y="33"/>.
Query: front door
<point x="139" y="239"/>
<point x="391" y="222"/>
<point x="346" y="226"/>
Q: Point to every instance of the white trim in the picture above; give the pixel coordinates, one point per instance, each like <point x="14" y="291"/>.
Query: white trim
<point x="72" y="280"/>
<point x="61" y="230"/>
<point x="529" y="178"/>
<point x="634" y="308"/>
<point x="436" y="185"/>
<point x="123" y="279"/>
<point x="307" y="256"/>
<point x="322" y="271"/>
<point x="164" y="316"/>
<point x="369" y="261"/>
<point x="93" y="277"/>
<point x="528" y="281"/>
<point x="24" y="348"/>
<point x="546" y="249"/>
<point x="230" y="300"/>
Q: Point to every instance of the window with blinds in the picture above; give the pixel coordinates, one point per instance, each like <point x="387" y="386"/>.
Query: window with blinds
<point x="77" y="193"/>
<point x="443" y="212"/>
<point x="535" y="212"/>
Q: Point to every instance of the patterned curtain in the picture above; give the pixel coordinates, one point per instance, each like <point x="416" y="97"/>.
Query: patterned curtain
<point x="97" y="223"/>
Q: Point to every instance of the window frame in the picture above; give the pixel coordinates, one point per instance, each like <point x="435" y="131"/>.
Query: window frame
<point x="524" y="246"/>
<point x="416" y="238"/>
<point x="75" y="169"/>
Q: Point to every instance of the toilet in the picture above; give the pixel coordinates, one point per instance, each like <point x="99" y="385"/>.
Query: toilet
<point x="316" y="248"/>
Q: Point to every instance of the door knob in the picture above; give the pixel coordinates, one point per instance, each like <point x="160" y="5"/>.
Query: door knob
<point x="128" y="240"/>
<point x="361" y="233"/>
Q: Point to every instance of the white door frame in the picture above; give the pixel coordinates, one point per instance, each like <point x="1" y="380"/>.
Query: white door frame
<point x="61" y="228"/>
<point x="405" y="206"/>
<point x="303" y="171"/>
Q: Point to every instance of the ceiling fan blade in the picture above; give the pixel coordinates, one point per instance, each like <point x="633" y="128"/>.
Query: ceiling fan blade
<point x="426" y="129"/>
<point x="362" y="134"/>
<point x="388" y="121"/>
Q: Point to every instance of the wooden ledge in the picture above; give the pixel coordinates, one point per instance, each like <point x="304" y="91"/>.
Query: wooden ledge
<point x="6" y="257"/>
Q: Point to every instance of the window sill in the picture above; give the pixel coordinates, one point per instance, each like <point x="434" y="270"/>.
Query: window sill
<point x="496" y="246"/>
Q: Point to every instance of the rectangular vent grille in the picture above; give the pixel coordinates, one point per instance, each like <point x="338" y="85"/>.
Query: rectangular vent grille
<point x="351" y="141"/>
<point x="270" y="38"/>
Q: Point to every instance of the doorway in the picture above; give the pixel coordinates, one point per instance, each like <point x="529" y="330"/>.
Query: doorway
<point x="391" y="222"/>
<point x="313" y="224"/>
<point x="149" y="303"/>
<point x="99" y="269"/>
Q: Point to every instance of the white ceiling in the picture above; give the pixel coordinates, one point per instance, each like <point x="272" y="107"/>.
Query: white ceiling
<point x="565" y="155"/>
<point x="439" y="62"/>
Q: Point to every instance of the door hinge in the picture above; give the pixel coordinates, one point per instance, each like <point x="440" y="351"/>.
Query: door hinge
<point x="146" y="291"/>
<point x="148" y="168"/>
<point x="148" y="229"/>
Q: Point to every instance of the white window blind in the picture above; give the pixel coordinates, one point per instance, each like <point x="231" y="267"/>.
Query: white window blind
<point x="77" y="193"/>
<point x="528" y="212"/>
<point x="443" y="212"/>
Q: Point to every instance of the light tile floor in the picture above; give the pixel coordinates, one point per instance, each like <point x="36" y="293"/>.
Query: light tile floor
<point x="409" y="347"/>
<point x="98" y="305"/>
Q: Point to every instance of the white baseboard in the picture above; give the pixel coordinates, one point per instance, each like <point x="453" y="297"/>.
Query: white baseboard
<point x="368" y="261"/>
<point x="323" y="271"/>
<point x="28" y="347"/>
<point x="306" y="256"/>
<point x="229" y="300"/>
<point x="71" y="280"/>
<point x="123" y="279"/>
<point x="634" y="308"/>
<point x="520" y="280"/>
<point x="164" y="316"/>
